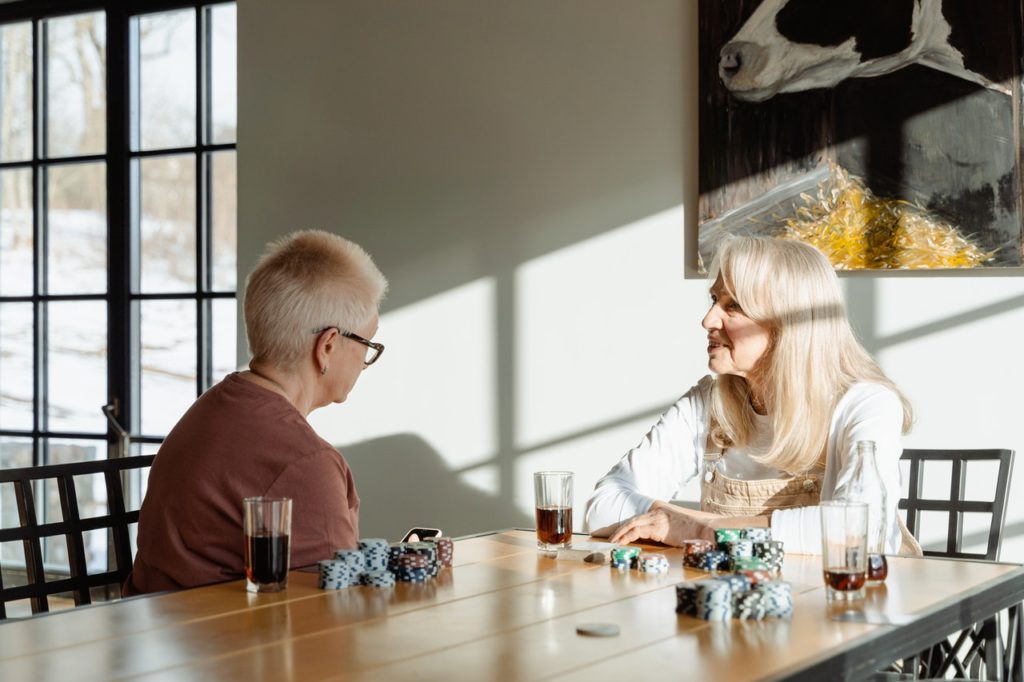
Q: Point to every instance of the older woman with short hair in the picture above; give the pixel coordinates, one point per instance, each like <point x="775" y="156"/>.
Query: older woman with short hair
<point x="775" y="430"/>
<point x="311" y="310"/>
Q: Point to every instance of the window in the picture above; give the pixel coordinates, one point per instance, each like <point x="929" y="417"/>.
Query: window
<point x="117" y="227"/>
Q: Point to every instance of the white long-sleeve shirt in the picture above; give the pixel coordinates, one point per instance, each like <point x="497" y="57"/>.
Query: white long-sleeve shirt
<point x="672" y="453"/>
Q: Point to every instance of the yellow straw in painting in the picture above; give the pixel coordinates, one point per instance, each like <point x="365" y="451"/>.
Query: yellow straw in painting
<point x="858" y="230"/>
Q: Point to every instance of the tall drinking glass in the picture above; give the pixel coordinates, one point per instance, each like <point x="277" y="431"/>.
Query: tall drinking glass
<point x="844" y="549"/>
<point x="267" y="526"/>
<point x="553" y="498"/>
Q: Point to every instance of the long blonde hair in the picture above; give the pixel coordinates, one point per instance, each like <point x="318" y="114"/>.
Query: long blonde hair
<point x="813" y="356"/>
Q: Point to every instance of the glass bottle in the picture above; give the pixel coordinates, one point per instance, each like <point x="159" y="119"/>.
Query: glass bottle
<point x="864" y="484"/>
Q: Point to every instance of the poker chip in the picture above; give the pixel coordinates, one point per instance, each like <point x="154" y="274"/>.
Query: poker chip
<point x="597" y="629"/>
<point x="748" y="564"/>
<point x="413" y="561"/>
<point x="714" y="560"/>
<point x="757" y="576"/>
<point x="429" y="550"/>
<point x="694" y="551"/>
<point x="738" y="582"/>
<point x="714" y="599"/>
<point x="757" y="534"/>
<point x="379" y="579"/>
<point x="778" y="598"/>
<point x="723" y="536"/>
<point x="623" y="558"/>
<point x="686" y="598"/>
<point x="375" y="554"/>
<point x="412" y="575"/>
<point x="749" y="606"/>
<point x="445" y="550"/>
<point x="353" y="559"/>
<point x="771" y="552"/>
<point x="740" y="548"/>
<point x="334" y="575"/>
<point x="652" y="562"/>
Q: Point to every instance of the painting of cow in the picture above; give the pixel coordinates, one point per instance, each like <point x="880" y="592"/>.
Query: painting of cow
<point x="915" y="98"/>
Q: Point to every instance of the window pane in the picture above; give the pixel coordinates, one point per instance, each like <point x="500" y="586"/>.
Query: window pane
<point x="66" y="451"/>
<point x="16" y="368"/>
<point x="14" y="453"/>
<point x="223" y="74"/>
<point x="168" y="223"/>
<point x="168" y="360"/>
<point x="16" y="90"/>
<point x="77" y="366"/>
<point x="167" y="79"/>
<point x="76" y="92"/>
<point x="224" y="219"/>
<point x="224" y="322"/>
<point x="16" y="232"/>
<point x="91" y="492"/>
<point x="76" y="214"/>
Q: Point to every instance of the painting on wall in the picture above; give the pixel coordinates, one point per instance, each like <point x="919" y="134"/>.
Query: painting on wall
<point x="885" y="132"/>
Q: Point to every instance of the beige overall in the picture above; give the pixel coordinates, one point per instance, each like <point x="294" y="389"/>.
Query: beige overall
<point x="720" y="494"/>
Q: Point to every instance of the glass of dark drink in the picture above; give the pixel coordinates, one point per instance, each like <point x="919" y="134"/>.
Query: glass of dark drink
<point x="553" y="498"/>
<point x="267" y="525"/>
<point x="844" y="549"/>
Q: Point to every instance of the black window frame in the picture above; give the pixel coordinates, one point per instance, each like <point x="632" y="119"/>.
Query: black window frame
<point x="123" y="295"/>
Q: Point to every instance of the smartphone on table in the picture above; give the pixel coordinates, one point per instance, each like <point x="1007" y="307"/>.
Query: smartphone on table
<point x="418" y="534"/>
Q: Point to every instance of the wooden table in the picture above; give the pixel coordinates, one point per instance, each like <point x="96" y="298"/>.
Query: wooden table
<point x="504" y="612"/>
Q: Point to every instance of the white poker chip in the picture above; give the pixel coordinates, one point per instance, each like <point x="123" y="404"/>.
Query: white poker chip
<point x="597" y="629"/>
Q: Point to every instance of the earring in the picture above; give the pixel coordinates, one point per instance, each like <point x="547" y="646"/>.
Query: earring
<point x="323" y="370"/>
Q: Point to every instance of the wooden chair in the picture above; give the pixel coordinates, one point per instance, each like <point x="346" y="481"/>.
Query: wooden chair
<point x="983" y="641"/>
<point x="32" y="533"/>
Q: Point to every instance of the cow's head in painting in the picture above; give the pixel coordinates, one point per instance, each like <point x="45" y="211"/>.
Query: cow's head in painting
<point x="794" y="45"/>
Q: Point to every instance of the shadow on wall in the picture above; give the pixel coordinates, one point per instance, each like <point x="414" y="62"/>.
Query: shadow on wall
<point x="403" y="483"/>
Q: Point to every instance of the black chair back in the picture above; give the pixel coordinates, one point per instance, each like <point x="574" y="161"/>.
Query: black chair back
<point x="32" y="533"/>
<point x="956" y="506"/>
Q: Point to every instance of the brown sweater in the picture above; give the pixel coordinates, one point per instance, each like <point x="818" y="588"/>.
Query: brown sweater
<point x="238" y="440"/>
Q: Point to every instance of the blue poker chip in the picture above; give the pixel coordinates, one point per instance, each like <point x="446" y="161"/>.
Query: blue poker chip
<point x="379" y="579"/>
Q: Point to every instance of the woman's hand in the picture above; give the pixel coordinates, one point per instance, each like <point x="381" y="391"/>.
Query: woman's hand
<point x="671" y="525"/>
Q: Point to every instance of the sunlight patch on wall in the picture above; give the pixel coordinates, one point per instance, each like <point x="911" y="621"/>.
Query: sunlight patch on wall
<point x="436" y="379"/>
<point x="601" y="327"/>
<point x="906" y="304"/>
<point x="485" y="478"/>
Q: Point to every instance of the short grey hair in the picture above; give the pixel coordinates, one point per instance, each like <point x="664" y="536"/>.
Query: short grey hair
<point x="308" y="280"/>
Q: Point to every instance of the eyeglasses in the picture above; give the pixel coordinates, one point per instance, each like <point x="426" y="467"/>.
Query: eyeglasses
<point x="373" y="349"/>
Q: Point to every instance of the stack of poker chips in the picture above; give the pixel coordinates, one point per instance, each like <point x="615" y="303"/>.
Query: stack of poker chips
<point x="334" y="575"/>
<point x="379" y="564"/>
<point x="694" y="550"/>
<point x="413" y="567"/>
<point x="735" y="549"/>
<point x="714" y="599"/>
<point x="777" y="599"/>
<point x="686" y="598"/>
<point x="733" y="596"/>
<point x="624" y="558"/>
<point x="375" y="551"/>
<point x="652" y="562"/>
<point x="770" y="552"/>
<point x="346" y="568"/>
<point x="445" y="550"/>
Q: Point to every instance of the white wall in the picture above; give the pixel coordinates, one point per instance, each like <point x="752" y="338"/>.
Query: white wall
<point x="525" y="174"/>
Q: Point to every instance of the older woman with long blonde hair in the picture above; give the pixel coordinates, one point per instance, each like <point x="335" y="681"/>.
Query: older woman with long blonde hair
<point x="775" y="429"/>
<point x="310" y="313"/>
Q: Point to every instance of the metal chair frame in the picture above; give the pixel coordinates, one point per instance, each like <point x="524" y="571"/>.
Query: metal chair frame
<point x="31" y="533"/>
<point x="983" y="641"/>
